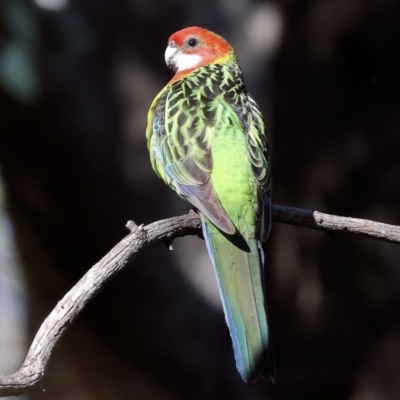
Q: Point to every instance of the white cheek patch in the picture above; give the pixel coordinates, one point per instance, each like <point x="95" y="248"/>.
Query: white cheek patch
<point x="186" y="61"/>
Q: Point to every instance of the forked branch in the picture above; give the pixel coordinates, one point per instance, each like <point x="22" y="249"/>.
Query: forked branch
<point x="67" y="309"/>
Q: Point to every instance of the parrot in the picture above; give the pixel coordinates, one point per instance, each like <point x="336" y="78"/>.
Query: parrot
<point x="207" y="140"/>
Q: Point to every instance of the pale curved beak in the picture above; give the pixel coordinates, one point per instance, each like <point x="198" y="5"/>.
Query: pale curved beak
<point x="169" y="53"/>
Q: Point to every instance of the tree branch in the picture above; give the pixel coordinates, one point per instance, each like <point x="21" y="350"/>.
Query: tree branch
<point x="326" y="222"/>
<point x="67" y="309"/>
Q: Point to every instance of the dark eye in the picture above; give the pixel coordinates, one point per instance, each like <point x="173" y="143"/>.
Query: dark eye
<point x="193" y="42"/>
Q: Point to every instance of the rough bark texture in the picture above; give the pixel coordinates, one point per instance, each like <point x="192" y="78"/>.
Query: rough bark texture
<point x="69" y="307"/>
<point x="322" y="221"/>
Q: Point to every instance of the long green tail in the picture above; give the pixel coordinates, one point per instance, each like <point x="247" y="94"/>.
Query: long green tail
<point x="239" y="275"/>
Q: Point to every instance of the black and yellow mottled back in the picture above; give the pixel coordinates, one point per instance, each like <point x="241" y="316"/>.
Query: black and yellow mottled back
<point x="183" y="121"/>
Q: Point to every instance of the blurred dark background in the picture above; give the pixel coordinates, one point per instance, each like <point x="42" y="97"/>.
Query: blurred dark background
<point x="76" y="81"/>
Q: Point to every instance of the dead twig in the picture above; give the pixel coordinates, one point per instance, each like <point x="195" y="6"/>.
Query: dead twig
<point x="67" y="309"/>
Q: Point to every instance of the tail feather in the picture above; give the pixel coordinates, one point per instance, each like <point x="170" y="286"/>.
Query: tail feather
<point x="239" y="276"/>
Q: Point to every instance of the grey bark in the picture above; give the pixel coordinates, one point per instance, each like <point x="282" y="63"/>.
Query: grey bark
<point x="67" y="309"/>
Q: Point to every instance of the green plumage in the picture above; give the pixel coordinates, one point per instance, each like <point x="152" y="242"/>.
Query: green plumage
<point x="207" y="140"/>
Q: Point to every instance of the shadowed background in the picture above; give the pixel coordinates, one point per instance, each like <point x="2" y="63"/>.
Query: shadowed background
<point x="76" y="81"/>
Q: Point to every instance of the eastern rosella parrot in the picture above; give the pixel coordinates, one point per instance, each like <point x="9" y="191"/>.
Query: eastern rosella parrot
<point x="207" y="140"/>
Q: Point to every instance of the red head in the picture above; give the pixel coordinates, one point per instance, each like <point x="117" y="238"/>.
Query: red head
<point x="194" y="47"/>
